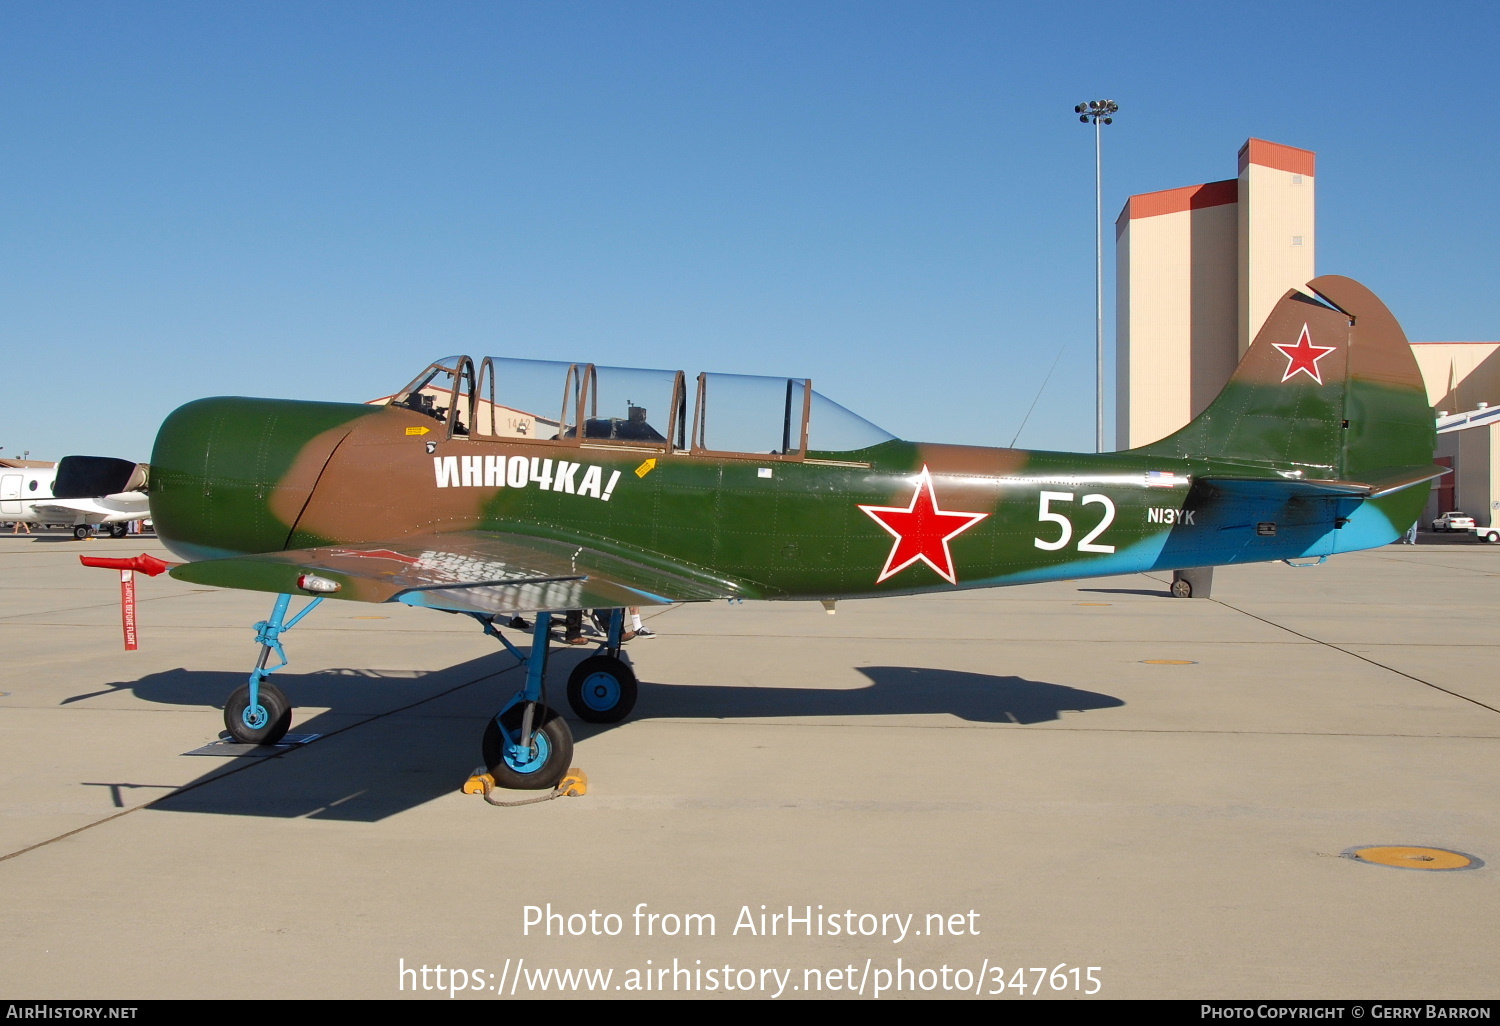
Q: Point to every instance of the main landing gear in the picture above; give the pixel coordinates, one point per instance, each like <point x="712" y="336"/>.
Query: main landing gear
<point x="258" y="712"/>
<point x="602" y="688"/>
<point x="527" y="745"/>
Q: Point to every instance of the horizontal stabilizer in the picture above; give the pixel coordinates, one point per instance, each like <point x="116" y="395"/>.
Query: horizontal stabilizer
<point x="1377" y="484"/>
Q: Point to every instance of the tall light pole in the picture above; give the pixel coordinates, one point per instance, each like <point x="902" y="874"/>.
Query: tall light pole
<point x="1097" y="111"/>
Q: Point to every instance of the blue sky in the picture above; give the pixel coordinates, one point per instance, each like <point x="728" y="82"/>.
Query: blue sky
<point x="312" y="200"/>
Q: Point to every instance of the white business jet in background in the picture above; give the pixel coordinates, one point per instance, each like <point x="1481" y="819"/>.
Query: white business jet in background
<point x="27" y="495"/>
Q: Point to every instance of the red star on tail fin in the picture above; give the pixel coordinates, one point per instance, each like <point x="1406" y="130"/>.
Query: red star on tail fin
<point x="1303" y="357"/>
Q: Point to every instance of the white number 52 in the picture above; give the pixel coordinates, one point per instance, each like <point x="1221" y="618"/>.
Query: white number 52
<point x="1086" y="544"/>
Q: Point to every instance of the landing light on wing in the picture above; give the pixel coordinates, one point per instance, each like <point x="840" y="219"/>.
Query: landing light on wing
<point x="317" y="585"/>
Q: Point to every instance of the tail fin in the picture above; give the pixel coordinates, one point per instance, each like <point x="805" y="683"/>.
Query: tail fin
<point x="1324" y="425"/>
<point x="1330" y="389"/>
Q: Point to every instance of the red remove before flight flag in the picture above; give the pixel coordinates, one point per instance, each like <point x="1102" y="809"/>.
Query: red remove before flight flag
<point x="149" y="565"/>
<point x="127" y="607"/>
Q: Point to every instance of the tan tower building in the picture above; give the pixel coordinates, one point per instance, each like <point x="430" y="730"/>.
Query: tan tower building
<point x="1198" y="270"/>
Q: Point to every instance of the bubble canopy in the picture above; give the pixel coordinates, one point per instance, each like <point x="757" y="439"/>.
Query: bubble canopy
<point x="579" y="403"/>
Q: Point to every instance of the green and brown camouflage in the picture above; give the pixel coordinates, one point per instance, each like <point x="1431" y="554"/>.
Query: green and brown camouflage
<point x="1318" y="444"/>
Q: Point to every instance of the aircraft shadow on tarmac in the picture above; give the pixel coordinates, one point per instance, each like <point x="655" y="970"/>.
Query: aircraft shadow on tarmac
<point x="390" y="763"/>
<point x="893" y="690"/>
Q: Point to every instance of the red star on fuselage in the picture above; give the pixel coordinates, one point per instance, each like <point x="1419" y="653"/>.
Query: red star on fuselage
<point x="1303" y="357"/>
<point x="922" y="531"/>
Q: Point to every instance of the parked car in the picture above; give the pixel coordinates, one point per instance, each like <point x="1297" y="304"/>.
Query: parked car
<point x="1454" y="521"/>
<point x="1487" y="534"/>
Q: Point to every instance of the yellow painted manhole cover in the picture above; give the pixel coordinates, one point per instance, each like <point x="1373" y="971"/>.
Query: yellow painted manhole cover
<point x="1405" y="857"/>
<point x="1170" y="662"/>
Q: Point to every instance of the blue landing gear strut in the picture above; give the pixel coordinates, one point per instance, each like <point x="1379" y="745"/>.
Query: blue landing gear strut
<point x="258" y="712"/>
<point x="527" y="745"/>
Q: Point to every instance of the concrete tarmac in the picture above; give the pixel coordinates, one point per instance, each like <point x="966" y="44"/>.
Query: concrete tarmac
<point x="1140" y="795"/>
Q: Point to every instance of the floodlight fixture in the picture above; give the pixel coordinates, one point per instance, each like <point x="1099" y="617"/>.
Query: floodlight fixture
<point x="1098" y="111"/>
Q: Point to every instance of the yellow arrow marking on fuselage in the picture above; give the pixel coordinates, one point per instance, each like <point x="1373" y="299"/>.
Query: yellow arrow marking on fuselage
<point x="417" y="430"/>
<point x="646" y="468"/>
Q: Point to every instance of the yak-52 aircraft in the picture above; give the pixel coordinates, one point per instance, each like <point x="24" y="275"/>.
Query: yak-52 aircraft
<point x="522" y="486"/>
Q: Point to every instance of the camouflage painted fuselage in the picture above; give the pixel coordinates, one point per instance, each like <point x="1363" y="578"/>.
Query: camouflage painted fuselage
<point x="774" y="529"/>
<point x="1268" y="472"/>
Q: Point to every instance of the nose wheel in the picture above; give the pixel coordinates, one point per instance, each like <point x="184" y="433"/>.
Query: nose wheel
<point x="264" y="723"/>
<point x="258" y="712"/>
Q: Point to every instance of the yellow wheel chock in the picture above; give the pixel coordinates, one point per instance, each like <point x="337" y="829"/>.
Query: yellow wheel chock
<point x="574" y="784"/>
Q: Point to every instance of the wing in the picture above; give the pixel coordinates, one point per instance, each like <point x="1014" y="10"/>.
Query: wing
<point x="472" y="571"/>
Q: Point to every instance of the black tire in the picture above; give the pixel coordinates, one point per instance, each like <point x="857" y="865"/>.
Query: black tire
<point x="83" y="531"/>
<point x="265" y="729"/>
<point x="118" y="530"/>
<point x="551" y="750"/>
<point x="1182" y="588"/>
<point x="602" y="689"/>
